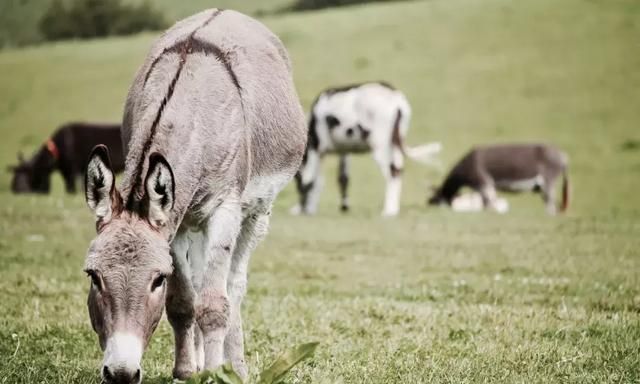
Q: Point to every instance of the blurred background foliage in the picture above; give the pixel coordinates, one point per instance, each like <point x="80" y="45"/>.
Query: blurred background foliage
<point x="25" y="22"/>
<point x="98" y="18"/>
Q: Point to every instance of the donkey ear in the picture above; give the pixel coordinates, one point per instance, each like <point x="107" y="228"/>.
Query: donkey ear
<point x="20" y="157"/>
<point x="160" y="190"/>
<point x="100" y="190"/>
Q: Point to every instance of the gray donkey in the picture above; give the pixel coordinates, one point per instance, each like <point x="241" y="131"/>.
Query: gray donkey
<point x="212" y="130"/>
<point x="511" y="168"/>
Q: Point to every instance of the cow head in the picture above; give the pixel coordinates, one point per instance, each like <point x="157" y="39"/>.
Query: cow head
<point x="22" y="175"/>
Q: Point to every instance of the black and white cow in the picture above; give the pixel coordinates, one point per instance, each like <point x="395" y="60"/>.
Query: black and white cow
<point x="509" y="168"/>
<point x="370" y="117"/>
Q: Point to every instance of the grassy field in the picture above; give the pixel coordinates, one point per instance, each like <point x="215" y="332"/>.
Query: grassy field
<point x="431" y="296"/>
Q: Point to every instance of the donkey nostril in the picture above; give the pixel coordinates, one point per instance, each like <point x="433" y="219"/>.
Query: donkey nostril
<point x="106" y="374"/>
<point x="120" y="376"/>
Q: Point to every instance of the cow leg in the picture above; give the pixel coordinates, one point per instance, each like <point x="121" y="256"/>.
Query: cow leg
<point x="212" y="308"/>
<point x="254" y="229"/>
<point x="309" y="182"/>
<point x="390" y="161"/>
<point x="343" y="181"/>
<point x="69" y="176"/>
<point x="180" y="309"/>
<point x="312" y="198"/>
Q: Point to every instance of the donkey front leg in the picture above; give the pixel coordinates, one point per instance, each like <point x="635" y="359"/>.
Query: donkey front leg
<point x="490" y="198"/>
<point x="309" y="183"/>
<point x="212" y="309"/>
<point x="180" y="309"/>
<point x="254" y="229"/>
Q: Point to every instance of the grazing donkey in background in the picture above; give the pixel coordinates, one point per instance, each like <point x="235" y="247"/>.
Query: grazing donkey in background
<point x="213" y="130"/>
<point x="370" y="117"/>
<point x="66" y="151"/>
<point x="510" y="168"/>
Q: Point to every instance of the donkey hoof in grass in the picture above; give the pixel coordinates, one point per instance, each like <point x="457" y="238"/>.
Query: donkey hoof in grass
<point x="183" y="373"/>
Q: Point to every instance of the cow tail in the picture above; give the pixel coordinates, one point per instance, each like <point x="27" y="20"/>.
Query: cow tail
<point x="422" y="153"/>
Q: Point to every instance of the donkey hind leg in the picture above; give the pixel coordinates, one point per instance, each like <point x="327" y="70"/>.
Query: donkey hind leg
<point x="212" y="308"/>
<point x="254" y="229"/>
<point x="343" y="181"/>
<point x="548" y="192"/>
<point x="391" y="162"/>
<point x="180" y="309"/>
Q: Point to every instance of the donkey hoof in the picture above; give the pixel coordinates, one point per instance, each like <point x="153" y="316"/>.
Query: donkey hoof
<point x="182" y="373"/>
<point x="344" y="208"/>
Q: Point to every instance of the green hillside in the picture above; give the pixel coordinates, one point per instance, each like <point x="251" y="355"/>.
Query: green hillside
<point x="431" y="296"/>
<point x="19" y="19"/>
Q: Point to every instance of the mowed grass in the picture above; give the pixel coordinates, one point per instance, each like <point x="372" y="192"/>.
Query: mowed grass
<point x="430" y="296"/>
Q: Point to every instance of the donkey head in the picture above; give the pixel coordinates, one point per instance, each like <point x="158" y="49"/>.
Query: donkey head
<point x="438" y="197"/>
<point x="128" y="263"/>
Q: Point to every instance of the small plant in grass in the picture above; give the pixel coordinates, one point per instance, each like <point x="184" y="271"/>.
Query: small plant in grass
<point x="271" y="375"/>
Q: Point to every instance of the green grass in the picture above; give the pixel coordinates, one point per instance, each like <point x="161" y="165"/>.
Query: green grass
<point x="431" y="296"/>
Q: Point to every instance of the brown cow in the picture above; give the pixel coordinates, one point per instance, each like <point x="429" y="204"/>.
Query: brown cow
<point x="67" y="151"/>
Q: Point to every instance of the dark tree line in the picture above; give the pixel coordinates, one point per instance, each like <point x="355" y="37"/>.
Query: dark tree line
<point x="98" y="18"/>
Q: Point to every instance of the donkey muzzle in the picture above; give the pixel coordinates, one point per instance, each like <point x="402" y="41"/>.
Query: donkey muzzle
<point x="122" y="359"/>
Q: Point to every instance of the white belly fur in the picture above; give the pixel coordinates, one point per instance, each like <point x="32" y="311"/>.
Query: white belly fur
<point x="521" y="185"/>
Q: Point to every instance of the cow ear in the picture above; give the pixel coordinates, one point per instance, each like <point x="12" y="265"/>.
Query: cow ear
<point x="100" y="190"/>
<point x="160" y="190"/>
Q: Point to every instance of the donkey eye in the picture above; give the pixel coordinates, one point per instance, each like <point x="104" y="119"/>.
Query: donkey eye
<point x="95" y="280"/>
<point x="157" y="282"/>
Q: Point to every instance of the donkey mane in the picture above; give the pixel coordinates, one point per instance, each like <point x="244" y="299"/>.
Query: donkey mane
<point x="189" y="45"/>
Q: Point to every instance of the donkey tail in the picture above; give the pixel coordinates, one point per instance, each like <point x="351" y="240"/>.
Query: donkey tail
<point x="566" y="192"/>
